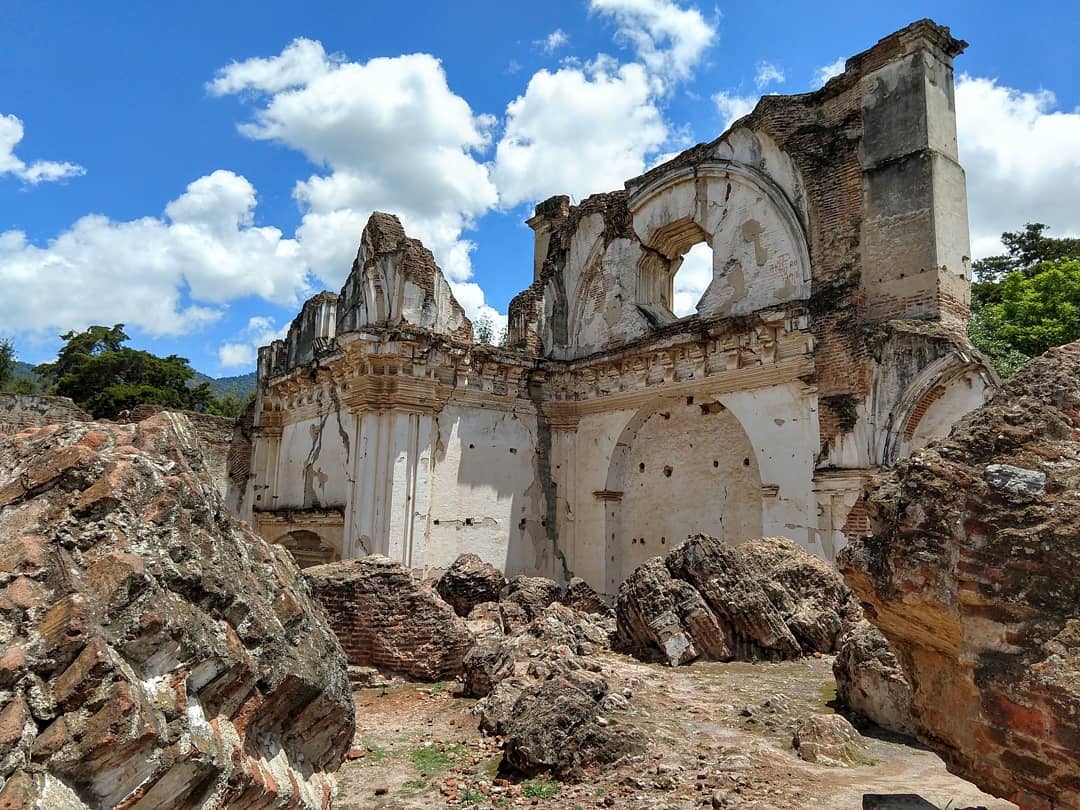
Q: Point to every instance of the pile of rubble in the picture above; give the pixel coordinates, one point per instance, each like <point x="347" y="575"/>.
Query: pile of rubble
<point x="526" y="647"/>
<point x="764" y="599"/>
<point x="155" y="653"/>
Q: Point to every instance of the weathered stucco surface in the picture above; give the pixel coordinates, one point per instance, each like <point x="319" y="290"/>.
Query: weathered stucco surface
<point x="829" y="342"/>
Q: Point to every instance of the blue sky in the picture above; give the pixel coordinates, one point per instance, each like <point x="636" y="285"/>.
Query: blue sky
<point x="196" y="170"/>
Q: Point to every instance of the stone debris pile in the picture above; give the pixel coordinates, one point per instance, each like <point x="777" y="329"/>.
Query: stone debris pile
<point x="767" y="598"/>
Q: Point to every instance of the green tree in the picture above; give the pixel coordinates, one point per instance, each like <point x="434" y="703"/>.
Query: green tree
<point x="1037" y="312"/>
<point x="1002" y="356"/>
<point x="1016" y="313"/>
<point x="7" y="361"/>
<point x="232" y="406"/>
<point x="1026" y="251"/>
<point x="104" y="377"/>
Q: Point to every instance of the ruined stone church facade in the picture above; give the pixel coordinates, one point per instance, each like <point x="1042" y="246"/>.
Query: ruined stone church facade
<point x="830" y="342"/>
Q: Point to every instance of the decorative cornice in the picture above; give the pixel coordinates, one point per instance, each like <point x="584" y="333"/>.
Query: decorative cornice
<point x="380" y="373"/>
<point x="565" y="414"/>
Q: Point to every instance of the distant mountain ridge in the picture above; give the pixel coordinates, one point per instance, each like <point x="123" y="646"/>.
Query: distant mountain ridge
<point x="240" y="386"/>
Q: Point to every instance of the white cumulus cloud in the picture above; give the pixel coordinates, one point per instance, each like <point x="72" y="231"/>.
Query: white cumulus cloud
<point x="768" y="73"/>
<point x="393" y="136"/>
<point x="668" y="39"/>
<point x="692" y="278"/>
<point x="136" y="272"/>
<point x="578" y="131"/>
<point x="1022" y="158"/>
<point x="589" y="127"/>
<point x="243" y="349"/>
<point x="732" y="106"/>
<point x="40" y="171"/>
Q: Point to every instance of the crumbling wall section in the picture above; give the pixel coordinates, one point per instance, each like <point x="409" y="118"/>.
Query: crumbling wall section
<point x="385" y="618"/>
<point x="394" y="281"/>
<point x="21" y="411"/>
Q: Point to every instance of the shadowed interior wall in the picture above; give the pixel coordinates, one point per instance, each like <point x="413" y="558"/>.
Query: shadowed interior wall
<point x="689" y="467"/>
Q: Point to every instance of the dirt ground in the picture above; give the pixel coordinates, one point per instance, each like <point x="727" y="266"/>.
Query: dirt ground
<point x="720" y="737"/>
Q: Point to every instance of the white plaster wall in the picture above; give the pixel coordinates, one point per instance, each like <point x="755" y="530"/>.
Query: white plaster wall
<point x="781" y="422"/>
<point x="603" y="311"/>
<point x="313" y="463"/>
<point x="781" y="430"/>
<point x="758" y="150"/>
<point x="689" y="469"/>
<point x="580" y="470"/>
<point x="389" y="485"/>
<point x="260" y="491"/>
<point x="962" y="395"/>
<point x="758" y="261"/>
<point x="485" y="497"/>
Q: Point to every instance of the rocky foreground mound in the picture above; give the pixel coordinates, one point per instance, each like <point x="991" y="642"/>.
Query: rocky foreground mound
<point x="153" y="653"/>
<point x="973" y="573"/>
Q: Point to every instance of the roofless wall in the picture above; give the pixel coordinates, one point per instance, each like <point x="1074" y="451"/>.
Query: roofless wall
<point x="829" y="341"/>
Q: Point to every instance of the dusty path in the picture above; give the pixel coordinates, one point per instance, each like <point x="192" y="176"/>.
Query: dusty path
<point x="719" y="731"/>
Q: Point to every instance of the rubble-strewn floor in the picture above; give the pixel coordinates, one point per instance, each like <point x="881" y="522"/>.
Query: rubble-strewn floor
<point x="721" y="736"/>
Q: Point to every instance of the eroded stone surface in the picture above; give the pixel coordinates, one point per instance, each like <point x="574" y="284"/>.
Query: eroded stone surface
<point x="827" y="739"/>
<point x="869" y="679"/>
<point x="973" y="574"/>
<point x="525" y="598"/>
<point x="154" y="651"/>
<point x="469" y="582"/>
<point x="555" y="726"/>
<point x="766" y="598"/>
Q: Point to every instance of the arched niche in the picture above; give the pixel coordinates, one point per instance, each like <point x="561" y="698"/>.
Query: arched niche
<point x="680" y="466"/>
<point x="308" y="548"/>
<point x="944" y="392"/>
<point x="758" y="238"/>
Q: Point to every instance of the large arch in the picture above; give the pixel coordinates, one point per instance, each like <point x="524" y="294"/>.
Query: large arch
<point x="308" y="548"/>
<point x="680" y="466"/>
<point x="942" y="393"/>
<point x="757" y="235"/>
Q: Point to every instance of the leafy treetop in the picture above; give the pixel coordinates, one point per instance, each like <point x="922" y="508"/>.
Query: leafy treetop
<point x="1027" y="300"/>
<point x="104" y="377"/>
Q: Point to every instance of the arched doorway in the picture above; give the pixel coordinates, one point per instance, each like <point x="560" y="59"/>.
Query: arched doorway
<point x="680" y="467"/>
<point x="307" y="548"/>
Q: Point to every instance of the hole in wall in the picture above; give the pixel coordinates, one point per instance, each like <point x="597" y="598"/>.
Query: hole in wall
<point x="715" y="464"/>
<point x="436" y="521"/>
<point x="468" y="521"/>
<point x="689" y="400"/>
<point x="667" y="471"/>
<point x="693" y="275"/>
<point x="746" y="462"/>
<point x="641" y="467"/>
